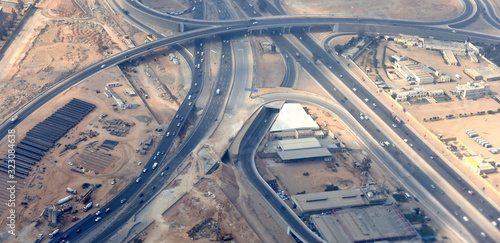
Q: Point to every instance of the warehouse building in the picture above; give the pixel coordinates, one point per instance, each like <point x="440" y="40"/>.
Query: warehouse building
<point x="305" y="154"/>
<point x="450" y="58"/>
<point x="460" y="48"/>
<point x="411" y="70"/>
<point x="299" y="144"/>
<point x="323" y="201"/>
<point x="366" y="224"/>
<point x="490" y="73"/>
<point x="293" y="117"/>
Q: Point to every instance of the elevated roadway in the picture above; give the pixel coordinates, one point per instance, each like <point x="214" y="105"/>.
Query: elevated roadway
<point x="234" y="26"/>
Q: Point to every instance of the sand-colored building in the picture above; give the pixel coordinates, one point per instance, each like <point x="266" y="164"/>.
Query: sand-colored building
<point x="478" y="164"/>
<point x="449" y="57"/>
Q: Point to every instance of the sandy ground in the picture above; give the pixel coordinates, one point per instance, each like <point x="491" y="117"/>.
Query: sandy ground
<point x="421" y="10"/>
<point x="75" y="44"/>
<point x="50" y="50"/>
<point x="449" y="128"/>
<point x="269" y="69"/>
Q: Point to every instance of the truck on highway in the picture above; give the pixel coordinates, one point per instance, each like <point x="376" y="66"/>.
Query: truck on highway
<point x="154" y="166"/>
<point x="13" y="119"/>
<point x="396" y="117"/>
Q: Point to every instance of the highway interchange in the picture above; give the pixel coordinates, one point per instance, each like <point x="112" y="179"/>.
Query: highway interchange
<point x="137" y="193"/>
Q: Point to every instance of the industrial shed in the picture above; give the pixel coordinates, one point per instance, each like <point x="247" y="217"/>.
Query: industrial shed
<point x="323" y="201"/>
<point x="301" y="143"/>
<point x="301" y="154"/>
<point x="366" y="224"/>
<point x="293" y="117"/>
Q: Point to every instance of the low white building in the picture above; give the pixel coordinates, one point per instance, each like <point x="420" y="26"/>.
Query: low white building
<point x="411" y="70"/>
<point x="473" y="90"/>
<point x="404" y="95"/>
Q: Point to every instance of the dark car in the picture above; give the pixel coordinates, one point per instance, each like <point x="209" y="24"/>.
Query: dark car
<point x="142" y="194"/>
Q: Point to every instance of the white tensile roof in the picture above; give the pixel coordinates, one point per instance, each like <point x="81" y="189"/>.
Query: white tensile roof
<point x="293" y="117"/>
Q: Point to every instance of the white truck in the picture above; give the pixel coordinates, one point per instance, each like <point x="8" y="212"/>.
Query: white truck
<point x="154" y="166"/>
<point x="87" y="207"/>
<point x="70" y="190"/>
<point x="54" y="233"/>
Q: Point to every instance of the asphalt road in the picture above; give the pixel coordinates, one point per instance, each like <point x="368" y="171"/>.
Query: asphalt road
<point x="246" y="153"/>
<point x="238" y="25"/>
<point x="403" y="131"/>
<point x="157" y="17"/>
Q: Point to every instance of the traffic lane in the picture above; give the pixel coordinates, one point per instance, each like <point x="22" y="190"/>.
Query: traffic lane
<point x="191" y="142"/>
<point x="248" y="8"/>
<point x="440" y="166"/>
<point x="248" y="145"/>
<point x="164" y="144"/>
<point x="290" y="71"/>
<point x="400" y="171"/>
<point x="319" y="78"/>
<point x="210" y="31"/>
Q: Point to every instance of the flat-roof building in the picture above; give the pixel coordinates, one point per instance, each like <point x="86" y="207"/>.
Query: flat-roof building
<point x="473" y="90"/>
<point x="404" y="95"/>
<point x="114" y="84"/>
<point x="302" y="154"/>
<point x="324" y="201"/>
<point x="301" y="143"/>
<point x="411" y="70"/>
<point x="366" y="224"/>
<point x="460" y="48"/>
<point x="490" y="73"/>
<point x="479" y="165"/>
<point x="130" y="92"/>
<point x="449" y="57"/>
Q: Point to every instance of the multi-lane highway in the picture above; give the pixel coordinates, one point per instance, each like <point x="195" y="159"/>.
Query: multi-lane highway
<point x="149" y="182"/>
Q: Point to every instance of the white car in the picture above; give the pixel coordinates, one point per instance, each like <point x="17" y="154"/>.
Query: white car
<point x="97" y="219"/>
<point x="466" y="219"/>
<point x="394" y="125"/>
<point x="406" y="140"/>
<point x="144" y="171"/>
<point x="138" y="179"/>
<point x="97" y="213"/>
